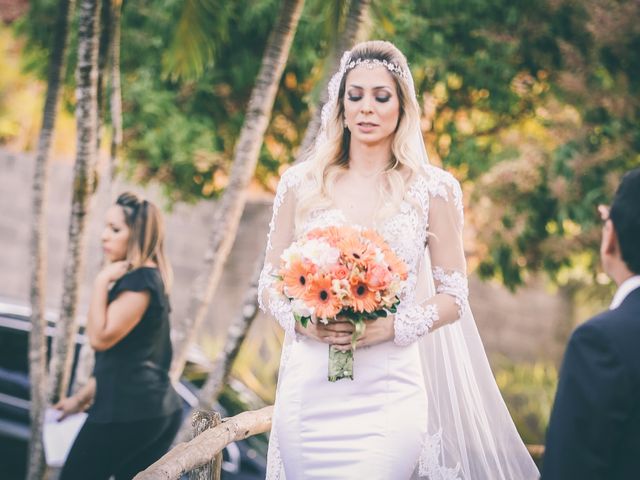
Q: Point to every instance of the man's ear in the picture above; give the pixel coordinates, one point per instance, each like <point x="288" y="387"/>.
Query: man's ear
<point x="610" y="239"/>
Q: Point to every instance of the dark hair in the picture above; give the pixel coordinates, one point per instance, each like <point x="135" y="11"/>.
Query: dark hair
<point x="625" y="215"/>
<point x="146" y="237"/>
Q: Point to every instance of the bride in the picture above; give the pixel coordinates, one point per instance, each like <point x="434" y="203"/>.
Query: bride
<point x="423" y="402"/>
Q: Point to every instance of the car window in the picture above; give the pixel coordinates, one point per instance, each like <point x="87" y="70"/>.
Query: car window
<point x="14" y="349"/>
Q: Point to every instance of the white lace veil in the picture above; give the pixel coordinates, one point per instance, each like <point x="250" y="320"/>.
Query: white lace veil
<point x="471" y="434"/>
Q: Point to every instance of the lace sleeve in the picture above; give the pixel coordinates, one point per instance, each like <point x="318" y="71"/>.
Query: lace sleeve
<point x="281" y="235"/>
<point x="445" y="222"/>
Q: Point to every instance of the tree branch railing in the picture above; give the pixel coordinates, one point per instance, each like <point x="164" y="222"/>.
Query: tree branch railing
<point x="201" y="456"/>
<point x="203" y="449"/>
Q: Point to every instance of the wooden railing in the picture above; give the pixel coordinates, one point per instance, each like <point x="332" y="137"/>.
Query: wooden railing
<point x="201" y="457"/>
<point x="197" y="455"/>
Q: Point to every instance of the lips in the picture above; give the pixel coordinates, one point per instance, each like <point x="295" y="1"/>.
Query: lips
<point x="367" y="127"/>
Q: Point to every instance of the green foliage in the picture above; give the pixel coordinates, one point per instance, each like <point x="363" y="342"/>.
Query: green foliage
<point x="528" y="391"/>
<point x="202" y="27"/>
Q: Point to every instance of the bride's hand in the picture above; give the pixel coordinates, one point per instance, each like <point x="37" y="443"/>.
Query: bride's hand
<point x="376" y="331"/>
<point x="337" y="332"/>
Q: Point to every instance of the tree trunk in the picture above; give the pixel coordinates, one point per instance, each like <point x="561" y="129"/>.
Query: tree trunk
<point x="352" y="30"/>
<point x="83" y="188"/>
<point x="38" y="245"/>
<point x="235" y="336"/>
<point x="219" y="373"/>
<point x="116" y="92"/>
<point x="104" y="44"/>
<point x="229" y="209"/>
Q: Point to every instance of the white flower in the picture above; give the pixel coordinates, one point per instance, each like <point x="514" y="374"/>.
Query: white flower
<point x="340" y="287"/>
<point x="320" y="253"/>
<point x="291" y="254"/>
<point x="301" y="308"/>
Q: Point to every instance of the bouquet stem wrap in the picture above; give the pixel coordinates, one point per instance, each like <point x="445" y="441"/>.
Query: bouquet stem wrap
<point x="341" y="361"/>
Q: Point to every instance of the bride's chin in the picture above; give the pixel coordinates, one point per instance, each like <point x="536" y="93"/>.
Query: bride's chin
<point x="369" y="140"/>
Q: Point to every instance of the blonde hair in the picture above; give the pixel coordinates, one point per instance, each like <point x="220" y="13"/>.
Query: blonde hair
<point x="146" y="235"/>
<point x="329" y="158"/>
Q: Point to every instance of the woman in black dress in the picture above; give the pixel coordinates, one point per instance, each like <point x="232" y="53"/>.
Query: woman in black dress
<point x="134" y="412"/>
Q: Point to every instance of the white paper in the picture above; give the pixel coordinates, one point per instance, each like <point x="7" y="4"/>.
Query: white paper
<point x="59" y="436"/>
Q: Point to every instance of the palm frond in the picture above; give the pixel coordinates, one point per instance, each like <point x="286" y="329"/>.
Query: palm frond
<point x="202" y="28"/>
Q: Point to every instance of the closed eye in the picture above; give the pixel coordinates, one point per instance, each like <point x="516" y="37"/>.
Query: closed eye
<point x="354" y="98"/>
<point x="384" y="99"/>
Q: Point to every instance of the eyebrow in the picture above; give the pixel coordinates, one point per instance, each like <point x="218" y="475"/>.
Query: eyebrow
<point x="387" y="87"/>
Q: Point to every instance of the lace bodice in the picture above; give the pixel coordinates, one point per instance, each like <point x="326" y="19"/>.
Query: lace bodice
<point x="430" y="215"/>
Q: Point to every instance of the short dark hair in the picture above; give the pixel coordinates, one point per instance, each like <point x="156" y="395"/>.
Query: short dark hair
<point x="625" y="215"/>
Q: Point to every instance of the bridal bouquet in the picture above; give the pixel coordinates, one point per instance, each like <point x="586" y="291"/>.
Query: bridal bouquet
<point x="341" y="271"/>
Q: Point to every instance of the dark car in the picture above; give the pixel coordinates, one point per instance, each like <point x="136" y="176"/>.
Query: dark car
<point x="243" y="460"/>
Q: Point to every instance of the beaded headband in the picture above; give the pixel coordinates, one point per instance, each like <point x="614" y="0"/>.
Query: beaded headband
<point x="373" y="63"/>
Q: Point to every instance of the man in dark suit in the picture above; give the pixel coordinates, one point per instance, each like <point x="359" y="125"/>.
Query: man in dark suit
<point x="594" y="430"/>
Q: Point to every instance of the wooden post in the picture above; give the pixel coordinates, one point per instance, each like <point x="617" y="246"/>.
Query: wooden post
<point x="217" y="461"/>
<point x="202" y="421"/>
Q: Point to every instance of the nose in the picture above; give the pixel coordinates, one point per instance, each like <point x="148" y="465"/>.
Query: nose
<point x="366" y="106"/>
<point x="105" y="235"/>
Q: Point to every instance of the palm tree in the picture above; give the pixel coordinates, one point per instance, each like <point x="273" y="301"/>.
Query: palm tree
<point x="231" y="205"/>
<point x="115" y="98"/>
<point x="104" y="51"/>
<point x="83" y="189"/>
<point x="37" y="344"/>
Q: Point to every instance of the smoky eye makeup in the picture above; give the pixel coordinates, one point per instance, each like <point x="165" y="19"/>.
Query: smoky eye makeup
<point x="354" y="94"/>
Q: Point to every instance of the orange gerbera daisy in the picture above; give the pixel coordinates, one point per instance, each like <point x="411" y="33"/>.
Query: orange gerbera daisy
<point x="396" y="265"/>
<point x="296" y="278"/>
<point x="364" y="300"/>
<point x="353" y="248"/>
<point x="375" y="237"/>
<point x="332" y="235"/>
<point x="321" y="297"/>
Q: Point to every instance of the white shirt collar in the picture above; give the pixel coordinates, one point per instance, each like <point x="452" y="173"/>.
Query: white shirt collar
<point x="628" y="286"/>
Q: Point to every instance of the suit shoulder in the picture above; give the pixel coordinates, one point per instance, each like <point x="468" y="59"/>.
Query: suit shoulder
<point x="595" y="326"/>
<point x="611" y="331"/>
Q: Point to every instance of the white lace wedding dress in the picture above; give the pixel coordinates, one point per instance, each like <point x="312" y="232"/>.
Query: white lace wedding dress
<point x="425" y="405"/>
<point x="373" y="427"/>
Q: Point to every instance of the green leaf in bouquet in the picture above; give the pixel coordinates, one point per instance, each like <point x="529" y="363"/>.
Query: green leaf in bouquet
<point x="304" y="321"/>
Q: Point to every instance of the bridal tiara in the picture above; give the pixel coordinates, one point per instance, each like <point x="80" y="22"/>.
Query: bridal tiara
<point x="373" y="63"/>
